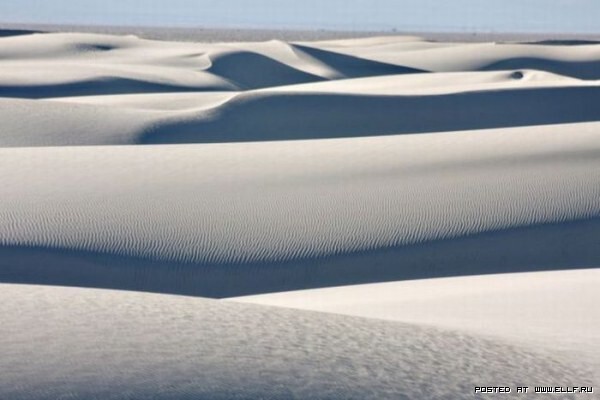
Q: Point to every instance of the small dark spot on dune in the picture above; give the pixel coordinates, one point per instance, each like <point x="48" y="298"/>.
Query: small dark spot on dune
<point x="101" y="47"/>
<point x="517" y="75"/>
<point x="94" y="47"/>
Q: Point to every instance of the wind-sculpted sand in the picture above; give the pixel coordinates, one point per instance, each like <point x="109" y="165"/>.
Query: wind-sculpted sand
<point x="248" y="218"/>
<point x="92" y="344"/>
<point x="554" y="310"/>
<point x="341" y="169"/>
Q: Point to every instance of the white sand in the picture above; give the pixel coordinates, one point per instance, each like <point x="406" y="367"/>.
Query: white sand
<point x="279" y="91"/>
<point x="552" y="310"/>
<point x="96" y="344"/>
<point x="576" y="61"/>
<point x="296" y="214"/>
<point x="341" y="169"/>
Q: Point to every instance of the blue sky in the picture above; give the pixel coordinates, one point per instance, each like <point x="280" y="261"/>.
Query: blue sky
<point x="433" y="15"/>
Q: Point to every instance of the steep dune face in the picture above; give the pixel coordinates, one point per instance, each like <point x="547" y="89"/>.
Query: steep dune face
<point x="241" y="67"/>
<point x="398" y="104"/>
<point x="305" y="115"/>
<point x="354" y="67"/>
<point x="96" y="344"/>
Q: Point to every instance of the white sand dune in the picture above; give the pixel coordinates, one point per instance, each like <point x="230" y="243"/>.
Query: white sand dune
<point x="79" y="64"/>
<point x="579" y="61"/>
<point x="284" y="115"/>
<point x="280" y="91"/>
<point x="552" y="310"/>
<point x="230" y="219"/>
<point x="337" y="169"/>
<point x="344" y="108"/>
<point x="92" y="344"/>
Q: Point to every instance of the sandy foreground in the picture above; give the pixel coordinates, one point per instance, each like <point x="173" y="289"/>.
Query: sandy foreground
<point x="385" y="217"/>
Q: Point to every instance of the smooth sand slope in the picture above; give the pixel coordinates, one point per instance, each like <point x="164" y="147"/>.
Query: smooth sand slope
<point x="349" y="171"/>
<point x="230" y="219"/>
<point x="92" y="344"/>
<point x="552" y="310"/>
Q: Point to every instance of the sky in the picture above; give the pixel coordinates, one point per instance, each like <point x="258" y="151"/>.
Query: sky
<point x="556" y="16"/>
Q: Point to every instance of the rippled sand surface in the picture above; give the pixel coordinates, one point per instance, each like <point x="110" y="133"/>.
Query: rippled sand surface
<point x="354" y="172"/>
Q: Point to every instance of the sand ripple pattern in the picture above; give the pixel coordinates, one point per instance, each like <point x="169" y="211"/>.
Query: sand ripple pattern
<point x="508" y="147"/>
<point x="280" y="202"/>
<point x="227" y="169"/>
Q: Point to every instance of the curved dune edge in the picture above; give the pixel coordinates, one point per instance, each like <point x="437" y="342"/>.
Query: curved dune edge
<point x="289" y="115"/>
<point x="347" y="171"/>
<point x="540" y="248"/>
<point x="232" y="219"/>
<point x="575" y="61"/>
<point x="345" y="108"/>
<point x="553" y="310"/>
<point x="96" y="344"/>
<point x="94" y="87"/>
